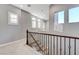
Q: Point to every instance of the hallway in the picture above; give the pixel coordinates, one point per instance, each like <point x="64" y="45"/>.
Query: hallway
<point x="17" y="48"/>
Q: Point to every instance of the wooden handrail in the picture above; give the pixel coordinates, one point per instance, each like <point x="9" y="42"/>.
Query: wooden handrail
<point x="56" y="35"/>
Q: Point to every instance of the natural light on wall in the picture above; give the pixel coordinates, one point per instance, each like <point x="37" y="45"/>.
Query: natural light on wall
<point x="74" y="15"/>
<point x="13" y="18"/>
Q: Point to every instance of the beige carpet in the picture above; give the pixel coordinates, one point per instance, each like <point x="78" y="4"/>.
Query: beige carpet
<point x="18" y="48"/>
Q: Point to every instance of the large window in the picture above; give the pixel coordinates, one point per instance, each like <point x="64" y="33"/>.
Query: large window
<point x="74" y="15"/>
<point x="58" y="21"/>
<point x="33" y="22"/>
<point x="13" y="18"/>
<point x="59" y="17"/>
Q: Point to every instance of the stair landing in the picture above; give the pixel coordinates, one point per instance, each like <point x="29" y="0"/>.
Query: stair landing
<point x="18" y="48"/>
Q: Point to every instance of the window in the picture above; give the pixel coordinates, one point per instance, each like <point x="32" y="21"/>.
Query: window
<point x="43" y="25"/>
<point x="58" y="21"/>
<point x="33" y="22"/>
<point x="39" y="23"/>
<point x="13" y="18"/>
<point x="74" y="15"/>
<point x="59" y="17"/>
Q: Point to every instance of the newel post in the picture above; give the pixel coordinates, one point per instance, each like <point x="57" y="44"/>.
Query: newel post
<point x="27" y="37"/>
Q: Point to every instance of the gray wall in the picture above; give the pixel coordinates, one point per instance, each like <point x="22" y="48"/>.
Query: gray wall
<point x="9" y="33"/>
<point x="70" y="29"/>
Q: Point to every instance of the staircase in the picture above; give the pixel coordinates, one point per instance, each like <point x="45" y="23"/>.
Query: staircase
<point x="51" y="44"/>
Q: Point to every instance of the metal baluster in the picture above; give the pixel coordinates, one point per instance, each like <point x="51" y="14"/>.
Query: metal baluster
<point x="44" y="44"/>
<point x="57" y="45"/>
<point x="60" y="45"/>
<point x="53" y="45"/>
<point x="41" y="42"/>
<point x="64" y="46"/>
<point x="74" y="46"/>
<point x="69" y="46"/>
<point x="40" y="38"/>
<point x="48" y="44"/>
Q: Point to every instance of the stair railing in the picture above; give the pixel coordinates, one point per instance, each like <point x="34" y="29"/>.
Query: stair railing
<point x="54" y="43"/>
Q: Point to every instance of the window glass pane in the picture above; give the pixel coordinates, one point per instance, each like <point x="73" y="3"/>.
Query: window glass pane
<point x="13" y="15"/>
<point x="39" y="23"/>
<point x="43" y="25"/>
<point x="13" y="21"/>
<point x="33" y="22"/>
<point x="13" y="18"/>
<point x="74" y="15"/>
<point x="58" y="21"/>
<point x="33" y="18"/>
<point x="61" y="17"/>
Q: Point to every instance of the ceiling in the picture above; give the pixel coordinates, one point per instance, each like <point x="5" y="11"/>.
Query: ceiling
<point x="39" y="10"/>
